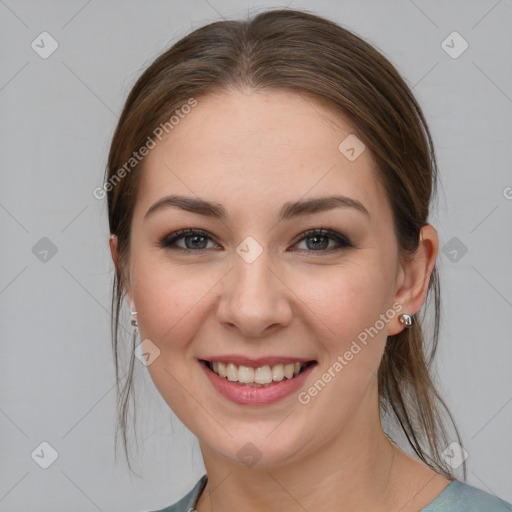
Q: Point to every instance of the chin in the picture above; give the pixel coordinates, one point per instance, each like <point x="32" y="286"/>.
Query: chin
<point x="258" y="449"/>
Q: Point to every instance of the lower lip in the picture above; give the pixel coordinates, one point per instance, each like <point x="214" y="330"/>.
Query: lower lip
<point x="246" y="395"/>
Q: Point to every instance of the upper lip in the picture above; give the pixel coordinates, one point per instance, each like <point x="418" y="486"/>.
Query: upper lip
<point x="256" y="362"/>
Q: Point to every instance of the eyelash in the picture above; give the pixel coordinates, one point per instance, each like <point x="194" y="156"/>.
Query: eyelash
<point x="342" y="242"/>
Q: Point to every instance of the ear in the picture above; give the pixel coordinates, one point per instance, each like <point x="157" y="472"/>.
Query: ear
<point x="414" y="276"/>
<point x="113" y="242"/>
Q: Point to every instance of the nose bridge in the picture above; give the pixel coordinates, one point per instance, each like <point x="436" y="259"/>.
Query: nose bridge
<point x="251" y="279"/>
<point x="253" y="298"/>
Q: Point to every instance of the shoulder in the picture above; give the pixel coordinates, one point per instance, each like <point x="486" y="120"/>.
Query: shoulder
<point x="462" y="497"/>
<point x="188" y="502"/>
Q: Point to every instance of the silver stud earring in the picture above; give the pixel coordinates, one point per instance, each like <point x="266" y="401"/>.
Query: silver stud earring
<point x="135" y="327"/>
<point x="406" y="320"/>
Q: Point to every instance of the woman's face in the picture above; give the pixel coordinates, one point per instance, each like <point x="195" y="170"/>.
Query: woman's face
<point x="253" y="288"/>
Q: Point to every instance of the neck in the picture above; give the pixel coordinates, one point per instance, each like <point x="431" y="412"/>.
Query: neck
<point x="350" y="472"/>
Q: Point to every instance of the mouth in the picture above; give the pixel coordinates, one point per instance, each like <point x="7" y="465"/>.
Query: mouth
<point x="257" y="376"/>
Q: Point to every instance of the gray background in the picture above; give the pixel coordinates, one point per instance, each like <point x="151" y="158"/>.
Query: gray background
<point x="57" y="119"/>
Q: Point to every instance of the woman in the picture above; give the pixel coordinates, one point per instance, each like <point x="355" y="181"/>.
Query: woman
<point x="268" y="190"/>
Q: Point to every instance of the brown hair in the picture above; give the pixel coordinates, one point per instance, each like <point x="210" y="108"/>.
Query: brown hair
<point x="303" y="53"/>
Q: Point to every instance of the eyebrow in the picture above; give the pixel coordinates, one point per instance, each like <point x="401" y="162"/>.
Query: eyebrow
<point x="288" y="211"/>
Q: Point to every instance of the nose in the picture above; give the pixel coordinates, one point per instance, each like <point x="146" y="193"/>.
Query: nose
<point x="254" y="298"/>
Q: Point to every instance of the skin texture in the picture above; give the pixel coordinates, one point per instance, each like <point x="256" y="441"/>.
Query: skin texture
<point x="251" y="152"/>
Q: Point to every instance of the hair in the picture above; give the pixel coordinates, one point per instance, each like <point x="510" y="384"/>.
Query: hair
<point x="296" y="51"/>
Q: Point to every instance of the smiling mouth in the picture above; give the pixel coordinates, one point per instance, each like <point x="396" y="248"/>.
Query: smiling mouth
<point x="260" y="377"/>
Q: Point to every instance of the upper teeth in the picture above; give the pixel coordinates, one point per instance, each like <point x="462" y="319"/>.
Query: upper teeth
<point x="260" y="375"/>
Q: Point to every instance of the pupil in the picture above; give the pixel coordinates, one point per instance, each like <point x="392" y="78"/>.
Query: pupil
<point x="194" y="243"/>
<point x="317" y="245"/>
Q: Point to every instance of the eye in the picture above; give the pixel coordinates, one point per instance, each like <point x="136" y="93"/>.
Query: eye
<point x="193" y="239"/>
<point x="318" y="240"/>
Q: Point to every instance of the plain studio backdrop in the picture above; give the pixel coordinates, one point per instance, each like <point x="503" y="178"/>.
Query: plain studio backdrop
<point x="67" y="67"/>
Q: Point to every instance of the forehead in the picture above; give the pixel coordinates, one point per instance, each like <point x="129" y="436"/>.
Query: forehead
<point x="260" y="149"/>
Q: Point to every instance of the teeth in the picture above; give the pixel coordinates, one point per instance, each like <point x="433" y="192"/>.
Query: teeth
<point x="277" y="372"/>
<point x="261" y="375"/>
<point x="246" y="374"/>
<point x="232" y="372"/>
<point x="289" y="370"/>
<point x="221" y="370"/>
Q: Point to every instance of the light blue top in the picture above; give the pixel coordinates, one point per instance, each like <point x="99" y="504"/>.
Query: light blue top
<point x="457" y="497"/>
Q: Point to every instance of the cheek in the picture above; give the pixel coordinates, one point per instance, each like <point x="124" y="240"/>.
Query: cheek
<point x="345" y="301"/>
<point x="170" y="300"/>
<point x="172" y="306"/>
